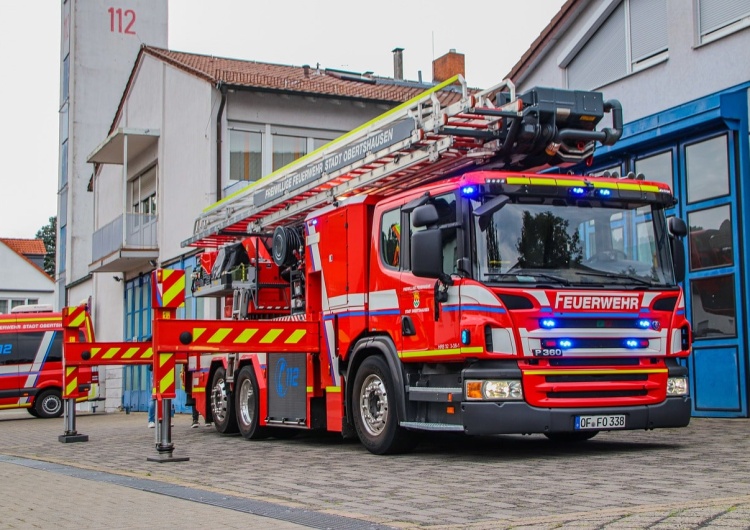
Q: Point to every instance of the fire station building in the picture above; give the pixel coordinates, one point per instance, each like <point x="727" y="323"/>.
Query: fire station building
<point x="678" y="68"/>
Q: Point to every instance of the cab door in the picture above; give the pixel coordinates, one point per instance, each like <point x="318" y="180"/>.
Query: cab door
<point x="9" y="385"/>
<point x="430" y="325"/>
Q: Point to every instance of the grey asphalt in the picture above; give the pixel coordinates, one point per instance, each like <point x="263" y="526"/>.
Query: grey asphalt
<point x="697" y="477"/>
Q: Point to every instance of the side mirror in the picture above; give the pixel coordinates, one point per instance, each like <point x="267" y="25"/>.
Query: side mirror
<point x="424" y="215"/>
<point x="677" y="227"/>
<point x="678" y="230"/>
<point x="427" y="251"/>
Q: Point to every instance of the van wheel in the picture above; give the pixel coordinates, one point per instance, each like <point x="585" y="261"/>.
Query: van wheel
<point x="222" y="409"/>
<point x="375" y="410"/>
<point x="49" y="404"/>
<point x="32" y="411"/>
<point x="247" y="405"/>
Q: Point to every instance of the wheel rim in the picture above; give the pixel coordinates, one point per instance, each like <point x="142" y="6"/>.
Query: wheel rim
<point x="247" y="402"/>
<point x="51" y="405"/>
<point x="373" y="405"/>
<point x="219" y="401"/>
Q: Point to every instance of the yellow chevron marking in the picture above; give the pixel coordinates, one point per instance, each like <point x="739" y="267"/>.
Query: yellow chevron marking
<point x="130" y="352"/>
<point x="175" y="290"/>
<point x="295" y="337"/>
<point x="71" y="386"/>
<point x="245" y="336"/>
<point x="271" y="336"/>
<point x="69" y="370"/>
<point x="111" y="352"/>
<point x="95" y="352"/>
<point x="596" y="372"/>
<point x="166" y="382"/>
<point x="147" y="354"/>
<point x="219" y="336"/>
<point x="78" y="320"/>
<point x="164" y="358"/>
<point x="197" y="332"/>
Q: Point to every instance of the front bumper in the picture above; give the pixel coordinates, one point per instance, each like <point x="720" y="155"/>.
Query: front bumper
<point x="516" y="417"/>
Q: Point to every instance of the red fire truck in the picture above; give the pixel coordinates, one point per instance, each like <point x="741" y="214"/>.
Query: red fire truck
<point x="420" y="274"/>
<point x="31" y="367"/>
<point x="414" y="276"/>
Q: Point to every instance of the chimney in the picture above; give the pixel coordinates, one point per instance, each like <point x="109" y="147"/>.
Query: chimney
<point x="398" y="63"/>
<point x="306" y="68"/>
<point x="447" y="66"/>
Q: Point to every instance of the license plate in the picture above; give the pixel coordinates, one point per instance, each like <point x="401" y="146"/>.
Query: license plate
<point x="614" y="421"/>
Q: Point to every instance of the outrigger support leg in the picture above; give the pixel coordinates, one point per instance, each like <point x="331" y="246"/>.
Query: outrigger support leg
<point x="164" y="445"/>
<point x="71" y="435"/>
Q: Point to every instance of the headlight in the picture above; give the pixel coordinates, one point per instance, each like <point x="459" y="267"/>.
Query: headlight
<point x="510" y="389"/>
<point x="677" y="386"/>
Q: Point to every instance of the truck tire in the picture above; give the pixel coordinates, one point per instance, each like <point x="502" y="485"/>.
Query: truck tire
<point x="375" y="411"/>
<point x="32" y="411"/>
<point x="570" y="437"/>
<point x="247" y="405"/>
<point x="222" y="408"/>
<point x="48" y="404"/>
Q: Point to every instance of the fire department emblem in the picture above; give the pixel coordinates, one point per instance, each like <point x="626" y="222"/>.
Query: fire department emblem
<point x="415" y="301"/>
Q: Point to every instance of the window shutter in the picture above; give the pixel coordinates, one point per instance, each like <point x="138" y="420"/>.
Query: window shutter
<point x="716" y="14"/>
<point x="603" y="57"/>
<point x="648" y="28"/>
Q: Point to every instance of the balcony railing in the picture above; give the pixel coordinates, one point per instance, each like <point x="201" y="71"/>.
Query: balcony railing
<point x="139" y="233"/>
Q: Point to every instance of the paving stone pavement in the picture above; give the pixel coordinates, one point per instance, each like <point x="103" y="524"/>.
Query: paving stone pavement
<point x="691" y="478"/>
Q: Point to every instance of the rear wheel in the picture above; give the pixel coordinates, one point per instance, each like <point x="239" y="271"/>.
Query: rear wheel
<point x="375" y="410"/>
<point x="570" y="437"/>
<point x="48" y="404"/>
<point x="247" y="405"/>
<point x="221" y="403"/>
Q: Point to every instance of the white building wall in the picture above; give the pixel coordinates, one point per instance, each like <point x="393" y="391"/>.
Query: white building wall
<point x="691" y="71"/>
<point x="22" y="280"/>
<point x="187" y="158"/>
<point x="103" y="41"/>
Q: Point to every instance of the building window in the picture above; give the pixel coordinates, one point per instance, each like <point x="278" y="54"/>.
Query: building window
<point x="717" y="18"/>
<point x="633" y="37"/>
<point x="287" y="149"/>
<point x="713" y="308"/>
<point x="62" y="245"/>
<point x="245" y="155"/>
<point x="710" y="242"/>
<point x="707" y="169"/>
<point x="657" y="168"/>
<point x="63" y="164"/>
<point x="3" y="307"/>
<point x="143" y="192"/>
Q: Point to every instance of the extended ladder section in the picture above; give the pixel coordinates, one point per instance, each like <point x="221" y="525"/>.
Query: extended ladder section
<point x="419" y="141"/>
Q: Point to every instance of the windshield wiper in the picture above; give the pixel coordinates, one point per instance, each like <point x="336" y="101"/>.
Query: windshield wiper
<point x="618" y="276"/>
<point x="529" y="277"/>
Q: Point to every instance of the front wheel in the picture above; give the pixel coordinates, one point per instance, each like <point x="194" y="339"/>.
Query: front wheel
<point x="247" y="405"/>
<point x="570" y="437"/>
<point x="375" y="410"/>
<point x="221" y="403"/>
<point x="48" y="404"/>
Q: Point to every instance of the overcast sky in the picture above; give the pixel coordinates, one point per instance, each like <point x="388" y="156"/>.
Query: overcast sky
<point x="356" y="36"/>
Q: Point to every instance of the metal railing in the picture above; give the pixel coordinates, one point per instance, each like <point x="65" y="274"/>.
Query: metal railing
<point x="132" y="230"/>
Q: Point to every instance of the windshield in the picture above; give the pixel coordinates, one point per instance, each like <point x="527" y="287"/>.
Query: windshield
<point x="574" y="243"/>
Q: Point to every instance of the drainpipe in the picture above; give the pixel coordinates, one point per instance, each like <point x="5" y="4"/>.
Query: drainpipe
<point x="219" y="140"/>
<point x="219" y="137"/>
